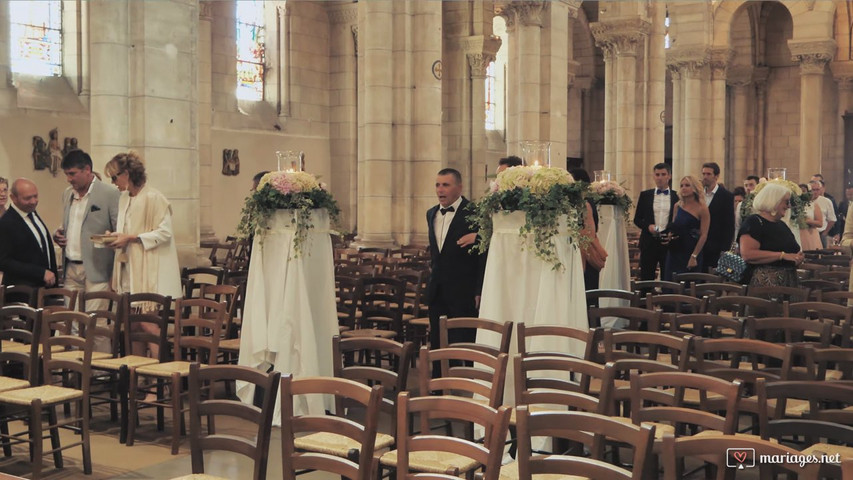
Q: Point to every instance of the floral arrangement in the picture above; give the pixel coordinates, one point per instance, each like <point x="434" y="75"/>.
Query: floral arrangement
<point x="298" y="191"/>
<point x="609" y="192"/>
<point x="799" y="200"/>
<point x="543" y="194"/>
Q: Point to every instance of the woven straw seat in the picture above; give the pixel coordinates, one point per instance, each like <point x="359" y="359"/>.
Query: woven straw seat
<point x="165" y="369"/>
<point x="231" y="345"/>
<point x="419" y="322"/>
<point x="369" y="332"/>
<point x="691" y="395"/>
<point x="534" y="409"/>
<point x="117" y="363"/>
<point x="712" y="433"/>
<point x="433" y="462"/>
<point x="595" y="385"/>
<point x="830" y="449"/>
<point x="338" y="445"/>
<point x="78" y="355"/>
<point x="510" y="472"/>
<point x="48" y="394"/>
<point x="660" y="428"/>
<point x="9" y="383"/>
<point x="24" y="348"/>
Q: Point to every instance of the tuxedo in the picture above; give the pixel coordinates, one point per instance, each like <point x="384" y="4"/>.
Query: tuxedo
<point x="456" y="274"/>
<point x="652" y="253"/>
<point x="722" y="228"/>
<point x="22" y="260"/>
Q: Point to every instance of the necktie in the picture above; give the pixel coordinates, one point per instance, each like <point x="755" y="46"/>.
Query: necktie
<point x="662" y="192"/>
<point x="42" y="239"/>
<point x="445" y="210"/>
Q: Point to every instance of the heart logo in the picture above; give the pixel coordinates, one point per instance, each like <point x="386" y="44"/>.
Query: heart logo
<point x="740" y="456"/>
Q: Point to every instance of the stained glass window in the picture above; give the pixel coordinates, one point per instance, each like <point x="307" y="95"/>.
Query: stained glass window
<point x="36" y="37"/>
<point x="667" y="42"/>
<point x="250" y="49"/>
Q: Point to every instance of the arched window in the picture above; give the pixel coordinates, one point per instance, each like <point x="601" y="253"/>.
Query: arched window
<point x="666" y="40"/>
<point x="495" y="101"/>
<point x="250" y="49"/>
<point x="36" y="37"/>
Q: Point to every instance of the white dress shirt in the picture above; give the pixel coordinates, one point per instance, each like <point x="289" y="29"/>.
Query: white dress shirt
<point x="710" y="195"/>
<point x="76" y="215"/>
<point x="825" y="206"/>
<point x="441" y="223"/>
<point x="661" y="206"/>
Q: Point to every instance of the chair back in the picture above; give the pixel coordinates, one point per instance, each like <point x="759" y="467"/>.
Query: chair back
<point x="20" y="346"/>
<point x="293" y="425"/>
<point x="557" y="340"/>
<point x="151" y="309"/>
<point x="56" y="299"/>
<point x="198" y="329"/>
<point x="20" y="294"/>
<point x="707" y="325"/>
<point x="502" y="330"/>
<point x="779" y="294"/>
<point x="715" y="289"/>
<point x="594" y="297"/>
<point x="495" y="421"/>
<point x="64" y="341"/>
<point x="486" y="377"/>
<point x="659" y="347"/>
<point x="635" y="318"/>
<point x="563" y="381"/>
<point x="256" y="444"/>
<point x="114" y="308"/>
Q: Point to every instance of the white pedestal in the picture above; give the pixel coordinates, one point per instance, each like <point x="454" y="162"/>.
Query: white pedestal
<point x="290" y="315"/>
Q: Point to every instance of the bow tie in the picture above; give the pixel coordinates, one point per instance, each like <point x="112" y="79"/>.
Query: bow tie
<point x="445" y="210"/>
<point x="661" y="192"/>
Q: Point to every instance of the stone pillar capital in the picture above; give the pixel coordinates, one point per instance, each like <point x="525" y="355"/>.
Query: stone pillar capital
<point x="480" y="50"/>
<point x="526" y="13"/>
<point x="739" y="75"/>
<point x="479" y="62"/>
<point x="346" y="14"/>
<point x="354" y="30"/>
<point x="621" y="36"/>
<point x="842" y="72"/>
<point x="687" y="62"/>
<point x="205" y="10"/>
<point x="813" y="56"/>
<point x="720" y="59"/>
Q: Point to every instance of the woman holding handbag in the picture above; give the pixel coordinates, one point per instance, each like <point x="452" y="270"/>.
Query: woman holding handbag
<point x="688" y="229"/>
<point x="767" y="244"/>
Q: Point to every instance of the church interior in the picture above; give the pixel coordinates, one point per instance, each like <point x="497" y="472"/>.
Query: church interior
<point x="377" y="96"/>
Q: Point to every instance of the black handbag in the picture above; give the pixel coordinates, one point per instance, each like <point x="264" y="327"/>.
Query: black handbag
<point x="732" y="267"/>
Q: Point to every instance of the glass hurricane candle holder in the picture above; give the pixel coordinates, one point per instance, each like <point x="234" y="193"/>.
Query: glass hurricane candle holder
<point x="536" y="153"/>
<point x="774" y="173"/>
<point x="601" y="176"/>
<point x="292" y="160"/>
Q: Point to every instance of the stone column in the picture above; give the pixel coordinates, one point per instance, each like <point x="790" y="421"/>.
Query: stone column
<point x="528" y="33"/>
<point x="109" y="114"/>
<point x="719" y="62"/>
<point x="743" y="157"/>
<point x="760" y="119"/>
<point x="813" y="57"/>
<point x="691" y="139"/>
<point x="205" y="94"/>
<point x="480" y="51"/>
<point x="343" y="120"/>
<point x="622" y="40"/>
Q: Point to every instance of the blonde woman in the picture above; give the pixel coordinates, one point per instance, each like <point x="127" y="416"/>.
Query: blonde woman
<point x="767" y="244"/>
<point x="146" y="258"/>
<point x="688" y="229"/>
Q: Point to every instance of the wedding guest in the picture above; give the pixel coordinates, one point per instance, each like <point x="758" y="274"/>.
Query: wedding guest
<point x="767" y="244"/>
<point x="4" y="195"/>
<point x="739" y="193"/>
<point x="146" y="259"/>
<point x="691" y="220"/>
<point x="652" y="216"/>
<point x="257" y="179"/>
<point x="721" y="205"/>
<point x="809" y="236"/>
<point x="827" y="208"/>
<point x="750" y="183"/>
<point x="506" y="162"/>
<point x="593" y="254"/>
<point x="841" y="224"/>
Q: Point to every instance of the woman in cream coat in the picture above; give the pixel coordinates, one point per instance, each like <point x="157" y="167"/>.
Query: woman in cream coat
<point x="146" y="257"/>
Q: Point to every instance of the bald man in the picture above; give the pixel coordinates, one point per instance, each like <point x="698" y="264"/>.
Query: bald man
<point x="26" y="250"/>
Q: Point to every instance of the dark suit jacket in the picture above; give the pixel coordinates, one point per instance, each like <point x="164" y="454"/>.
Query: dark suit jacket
<point x="644" y="214"/>
<point x="722" y="228"/>
<point x="21" y="259"/>
<point x="457" y="273"/>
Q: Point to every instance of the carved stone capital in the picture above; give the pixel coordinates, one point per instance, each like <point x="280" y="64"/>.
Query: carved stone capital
<point x="479" y="62"/>
<point x="205" y="10"/>
<point x="346" y="14"/>
<point x="739" y="75"/>
<point x="525" y="13"/>
<point x="687" y="62"/>
<point x="720" y="59"/>
<point x="813" y="56"/>
<point x="620" y="36"/>
<point x="842" y="72"/>
<point x="354" y="30"/>
<point x="479" y="44"/>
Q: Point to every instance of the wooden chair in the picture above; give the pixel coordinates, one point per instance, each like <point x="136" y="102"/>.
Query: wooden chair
<point x="198" y="329"/>
<point x="557" y="340"/>
<point x="727" y="452"/>
<point x="199" y="276"/>
<point x="742" y="306"/>
<point x="840" y="260"/>
<point x="20" y="294"/>
<point x="673" y="304"/>
<point x="256" y="444"/>
<point x="833" y="363"/>
<point x="381" y="308"/>
<point x="229" y="344"/>
<point x="707" y="325"/>
<point x="840" y="298"/>
<point x="392" y="379"/>
<point x="56" y="299"/>
<point x="629" y="318"/>
<point x="35" y="401"/>
<point x="447" y="455"/>
<point x="614" y="298"/>
<point x="347" y="290"/>
<point x="595" y="429"/>
<point x="822" y="286"/>
<point x="716" y="289"/>
<point x="485" y="378"/>
<point x="786" y="294"/>
<point x="688" y="278"/>
<point x="654" y="346"/>
<point x="360" y="438"/>
<point x="840" y="315"/>
<point x="644" y="287"/>
<point x="545" y="382"/>
<point x="502" y="331"/>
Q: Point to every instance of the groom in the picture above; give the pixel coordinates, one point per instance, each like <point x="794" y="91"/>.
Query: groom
<point x="456" y="276"/>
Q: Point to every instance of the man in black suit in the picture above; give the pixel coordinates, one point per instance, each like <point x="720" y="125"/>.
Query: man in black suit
<point x="456" y="276"/>
<point x="652" y="216"/>
<point x="26" y="250"/>
<point x="721" y="206"/>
